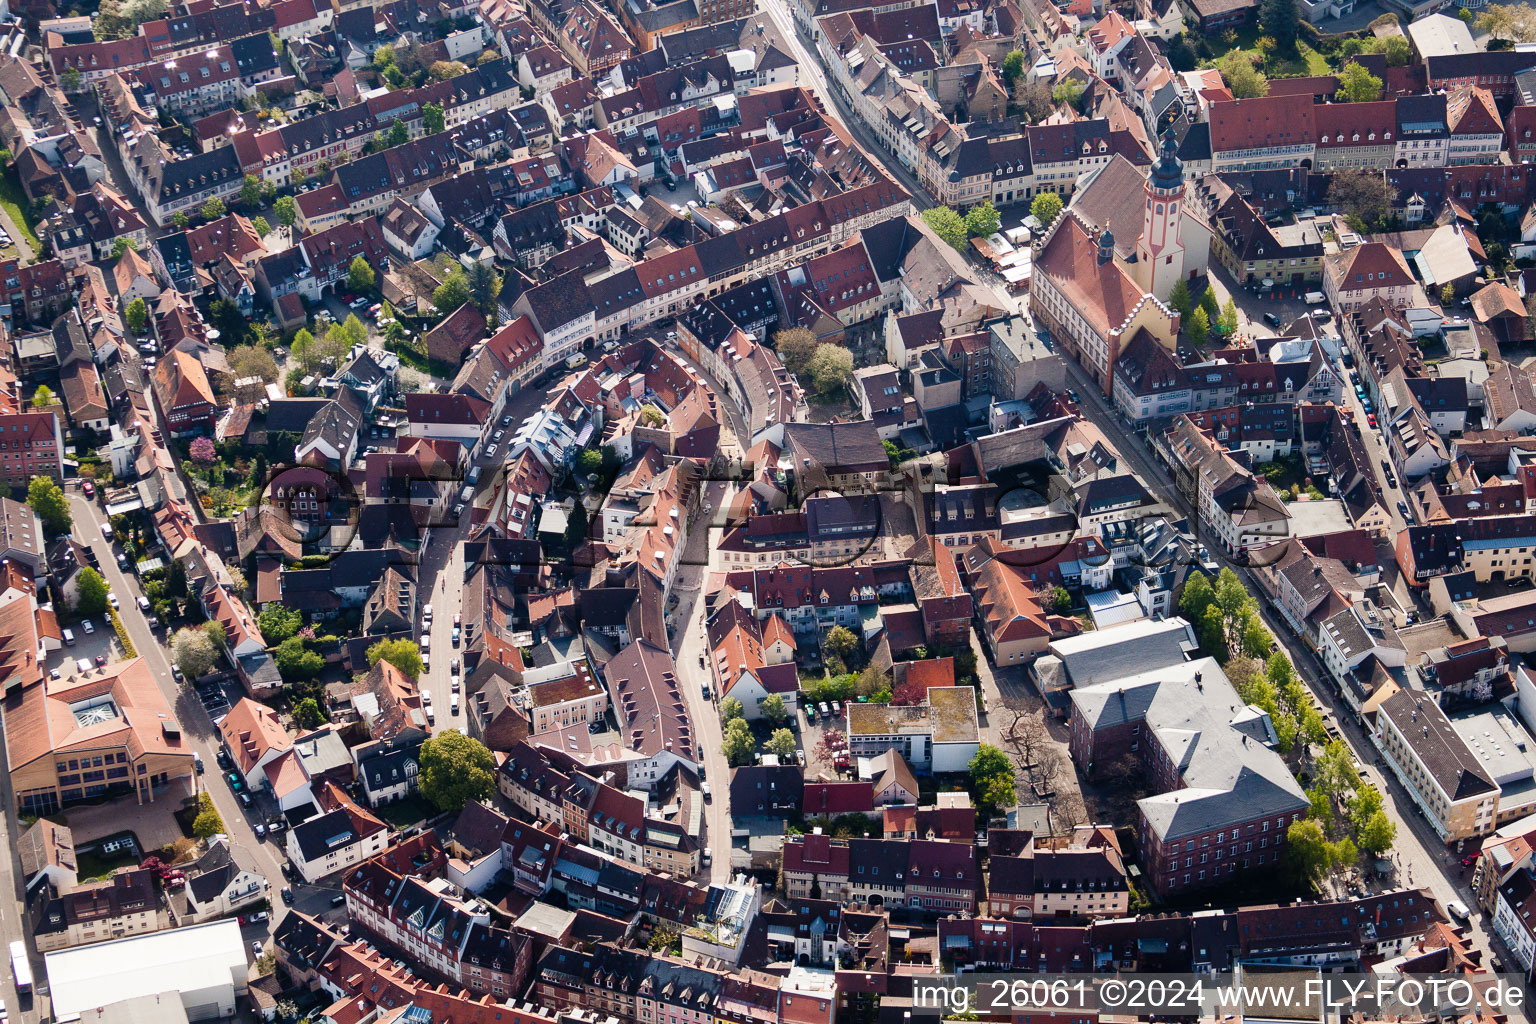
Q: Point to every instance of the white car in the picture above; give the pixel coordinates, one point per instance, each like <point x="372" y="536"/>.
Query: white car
<point x="112" y="599"/>
<point x="143" y="603"/>
<point x="491" y="451"/>
<point x="426" y="642"/>
<point x="85" y="624"/>
<point x="426" y="612"/>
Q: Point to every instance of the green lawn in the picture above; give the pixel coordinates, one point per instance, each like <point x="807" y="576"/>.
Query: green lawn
<point x="92" y="865"/>
<point x="14" y="200"/>
<point x="1306" y="60"/>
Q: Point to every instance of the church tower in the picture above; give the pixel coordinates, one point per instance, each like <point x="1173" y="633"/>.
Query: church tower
<point x="1160" y="252"/>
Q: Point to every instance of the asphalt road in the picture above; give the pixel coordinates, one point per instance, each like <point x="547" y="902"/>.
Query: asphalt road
<point x="251" y="853"/>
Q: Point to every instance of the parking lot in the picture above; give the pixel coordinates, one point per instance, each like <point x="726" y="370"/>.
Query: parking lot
<point x="93" y="646"/>
<point x="814" y="729"/>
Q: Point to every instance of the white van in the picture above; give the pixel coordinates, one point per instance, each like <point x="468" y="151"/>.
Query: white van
<point x="1314" y="298"/>
<point x="69" y="638"/>
<point x="453" y="703"/>
<point x="83" y="665"/>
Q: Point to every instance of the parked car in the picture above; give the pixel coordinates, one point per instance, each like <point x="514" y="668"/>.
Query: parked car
<point x="112" y="599"/>
<point x="143" y="603"/>
<point x="453" y="668"/>
<point x="245" y="799"/>
<point x="89" y="488"/>
<point x="106" y="531"/>
<point x="235" y="782"/>
<point x="85" y="624"/>
<point x="256" y="948"/>
<point x="287" y="895"/>
<point x="260" y="830"/>
<point x="1273" y="320"/>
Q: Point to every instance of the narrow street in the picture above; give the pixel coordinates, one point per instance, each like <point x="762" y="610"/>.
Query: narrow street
<point x="809" y="61"/>
<point x="690" y="650"/>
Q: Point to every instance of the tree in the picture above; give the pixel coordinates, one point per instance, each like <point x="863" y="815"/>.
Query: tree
<point x="1447" y="294"/>
<point x="1357" y="85"/>
<point x="1465" y="14"/>
<point x="738" y="745"/>
<point x="840" y="642"/>
<point x="296" y="662"/>
<point x="484" y="286"/>
<point x="1228" y="322"/>
<point x="1256" y="639"/>
<point x="1179" y="300"/>
<point x="1033" y="100"/>
<point x="137" y="316"/>
<point x="1197" y="597"/>
<point x="207" y="823"/>
<point x="1280" y="20"/>
<point x="1199" y="327"/>
<point x="278" y="622"/>
<point x="1308" y="851"/>
<point x="1334" y="771"/>
<point x="432" y="118"/>
<point x="179" y="219"/>
<point x="730" y="710"/>
<point x="1377" y="834"/>
<point x="784" y="744"/>
<point x="1067" y="93"/>
<point x="1013" y="65"/>
<point x="1055" y="600"/>
<point x="48" y="501"/>
<point x="250" y="361"/>
<point x="983" y="220"/>
<point x="452" y="293"/>
<point x="360" y="275"/>
<point x="213" y="209"/>
<point x="1280" y="671"/>
<point x="993" y="782"/>
<point x="91" y="597"/>
<point x="402" y="653"/>
<point x="948" y="225"/>
<point x="122" y="245"/>
<point x="773" y="709"/>
<point x="1513" y="22"/>
<point x="399" y="134"/>
<point x="1364" y="196"/>
<point x="202" y="451"/>
<point x="1045" y="208"/>
<point x="795" y="346"/>
<point x="308" y="714"/>
<point x="250" y="191"/>
<point x="830" y="367"/>
<point x="1211" y="631"/>
<point x="42" y="398"/>
<point x="193" y="653"/>
<point x="70" y="79"/>
<point x="665" y="939"/>
<point x="455" y="769"/>
<point x="1240" y="72"/>
<point x="260" y="226"/>
<point x="1232" y="597"/>
<point x="303" y="350"/>
<point x="286" y="209"/>
<point x="442" y="70"/>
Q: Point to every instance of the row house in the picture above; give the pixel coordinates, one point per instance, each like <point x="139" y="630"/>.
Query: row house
<point x="436" y="929"/>
<point x="934" y="876"/>
<point x="1262" y="133"/>
<point x="36" y="293"/>
<point x="170" y="184"/>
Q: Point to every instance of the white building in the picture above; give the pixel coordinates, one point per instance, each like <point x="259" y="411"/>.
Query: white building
<point x="207" y="964"/>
